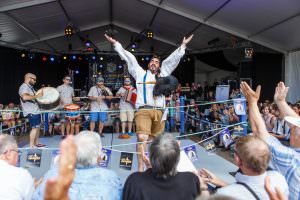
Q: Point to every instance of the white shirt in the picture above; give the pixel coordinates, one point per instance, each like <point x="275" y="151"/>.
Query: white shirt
<point x="281" y="127"/>
<point x="15" y="183"/>
<point x="138" y="73"/>
<point x="257" y="184"/>
<point x="99" y="105"/>
<point x="66" y="93"/>
<point x="125" y="106"/>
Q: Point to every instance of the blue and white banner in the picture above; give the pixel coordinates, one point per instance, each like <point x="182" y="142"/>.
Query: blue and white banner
<point x="239" y="106"/>
<point x="226" y="137"/>
<point x="191" y="153"/>
<point x="105" y="157"/>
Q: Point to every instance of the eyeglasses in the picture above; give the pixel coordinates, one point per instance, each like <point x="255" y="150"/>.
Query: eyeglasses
<point x="15" y="150"/>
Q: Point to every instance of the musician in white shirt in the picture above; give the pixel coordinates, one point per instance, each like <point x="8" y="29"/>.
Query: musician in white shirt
<point x="148" y="118"/>
<point x="98" y="94"/>
<point x="126" y="108"/>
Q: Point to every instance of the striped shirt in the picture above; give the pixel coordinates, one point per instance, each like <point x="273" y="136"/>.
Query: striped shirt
<point x="287" y="161"/>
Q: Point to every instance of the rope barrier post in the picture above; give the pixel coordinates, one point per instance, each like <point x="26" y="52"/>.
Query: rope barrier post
<point x="182" y="115"/>
<point x="243" y="118"/>
<point x="171" y="114"/>
<point x="46" y="122"/>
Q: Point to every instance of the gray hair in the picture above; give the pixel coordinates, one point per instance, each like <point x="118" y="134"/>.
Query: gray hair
<point x="7" y="142"/>
<point x="164" y="155"/>
<point x="88" y="148"/>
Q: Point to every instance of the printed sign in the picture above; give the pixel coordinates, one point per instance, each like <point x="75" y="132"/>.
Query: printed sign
<point x="105" y="157"/>
<point x="191" y="153"/>
<point x="34" y="157"/>
<point x="126" y="160"/>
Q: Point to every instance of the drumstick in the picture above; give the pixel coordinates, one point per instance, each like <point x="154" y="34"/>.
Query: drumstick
<point x="149" y="82"/>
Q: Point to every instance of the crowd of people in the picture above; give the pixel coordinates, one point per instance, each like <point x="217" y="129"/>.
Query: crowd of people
<point x="268" y="169"/>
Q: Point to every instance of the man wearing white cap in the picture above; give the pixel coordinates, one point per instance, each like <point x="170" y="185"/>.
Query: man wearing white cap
<point x="98" y="94"/>
<point x="285" y="159"/>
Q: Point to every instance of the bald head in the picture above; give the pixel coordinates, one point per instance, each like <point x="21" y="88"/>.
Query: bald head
<point x="30" y="78"/>
<point x="254" y="153"/>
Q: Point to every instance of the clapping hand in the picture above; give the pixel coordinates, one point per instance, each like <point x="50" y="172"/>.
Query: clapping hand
<point x="280" y="92"/>
<point x="251" y="96"/>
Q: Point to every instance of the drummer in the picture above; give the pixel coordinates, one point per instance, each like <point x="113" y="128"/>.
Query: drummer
<point x="66" y="93"/>
<point x="126" y="108"/>
<point x="31" y="109"/>
<point x="98" y="94"/>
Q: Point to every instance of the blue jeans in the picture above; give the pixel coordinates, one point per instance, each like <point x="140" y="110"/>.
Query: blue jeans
<point x="98" y="116"/>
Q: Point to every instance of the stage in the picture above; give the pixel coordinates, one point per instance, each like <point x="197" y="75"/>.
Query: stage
<point x="210" y="161"/>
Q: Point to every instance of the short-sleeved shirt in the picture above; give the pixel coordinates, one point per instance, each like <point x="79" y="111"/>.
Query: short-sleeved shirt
<point x="123" y="104"/>
<point x="29" y="106"/>
<point x="66" y="94"/>
<point x="100" y="105"/>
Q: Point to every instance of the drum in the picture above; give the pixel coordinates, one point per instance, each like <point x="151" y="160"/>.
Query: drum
<point x="73" y="111"/>
<point x="130" y="96"/>
<point x="50" y="99"/>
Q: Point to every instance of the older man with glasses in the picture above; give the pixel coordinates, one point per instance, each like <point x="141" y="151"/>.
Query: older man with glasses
<point x="15" y="183"/>
<point x="30" y="108"/>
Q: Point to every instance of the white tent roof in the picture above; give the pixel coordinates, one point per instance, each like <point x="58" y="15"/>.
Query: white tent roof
<point x="41" y="23"/>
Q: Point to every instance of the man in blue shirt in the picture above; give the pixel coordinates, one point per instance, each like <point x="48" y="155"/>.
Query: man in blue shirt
<point x="91" y="181"/>
<point x="285" y="159"/>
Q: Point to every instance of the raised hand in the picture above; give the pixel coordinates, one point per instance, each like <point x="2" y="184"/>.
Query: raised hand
<point x="57" y="188"/>
<point x="185" y="40"/>
<point x="251" y="96"/>
<point x="110" y="39"/>
<point x="280" y="92"/>
<point x="277" y="195"/>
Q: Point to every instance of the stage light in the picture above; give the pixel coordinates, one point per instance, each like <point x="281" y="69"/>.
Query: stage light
<point x="44" y="58"/>
<point x="65" y="57"/>
<point x="94" y="57"/>
<point x="133" y="45"/>
<point x="74" y="57"/>
<point x="31" y="56"/>
<point x="150" y="34"/>
<point x="69" y="31"/>
<point x="88" y="43"/>
<point x="80" y="58"/>
<point x="147" y="58"/>
<point x="142" y="58"/>
<point x="249" y="53"/>
<point x="23" y="55"/>
<point x="188" y="59"/>
<point x="77" y="71"/>
<point x="120" y="66"/>
<point x="101" y="58"/>
<point x="52" y="59"/>
<point x="89" y="49"/>
<point x="132" y="49"/>
<point x="101" y="66"/>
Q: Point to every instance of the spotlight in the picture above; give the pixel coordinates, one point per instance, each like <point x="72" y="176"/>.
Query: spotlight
<point x="120" y="66"/>
<point x="94" y="57"/>
<point x="89" y="49"/>
<point x="44" y="58"/>
<point x="249" y="53"/>
<point x="23" y="55"/>
<point x="77" y="71"/>
<point x="65" y="57"/>
<point x="142" y="58"/>
<point x="80" y="58"/>
<point x="74" y="57"/>
<point x="101" y="66"/>
<point x="133" y="45"/>
<point x="132" y="50"/>
<point x="88" y="43"/>
<point x="69" y="31"/>
<point x="150" y="34"/>
<point x="147" y="58"/>
<point x="52" y="59"/>
<point x="31" y="56"/>
<point x="101" y="58"/>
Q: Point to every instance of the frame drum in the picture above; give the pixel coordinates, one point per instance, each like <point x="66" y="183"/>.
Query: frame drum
<point x="50" y="99"/>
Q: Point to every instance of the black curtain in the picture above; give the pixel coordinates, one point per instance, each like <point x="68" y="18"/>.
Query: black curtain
<point x="13" y="68"/>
